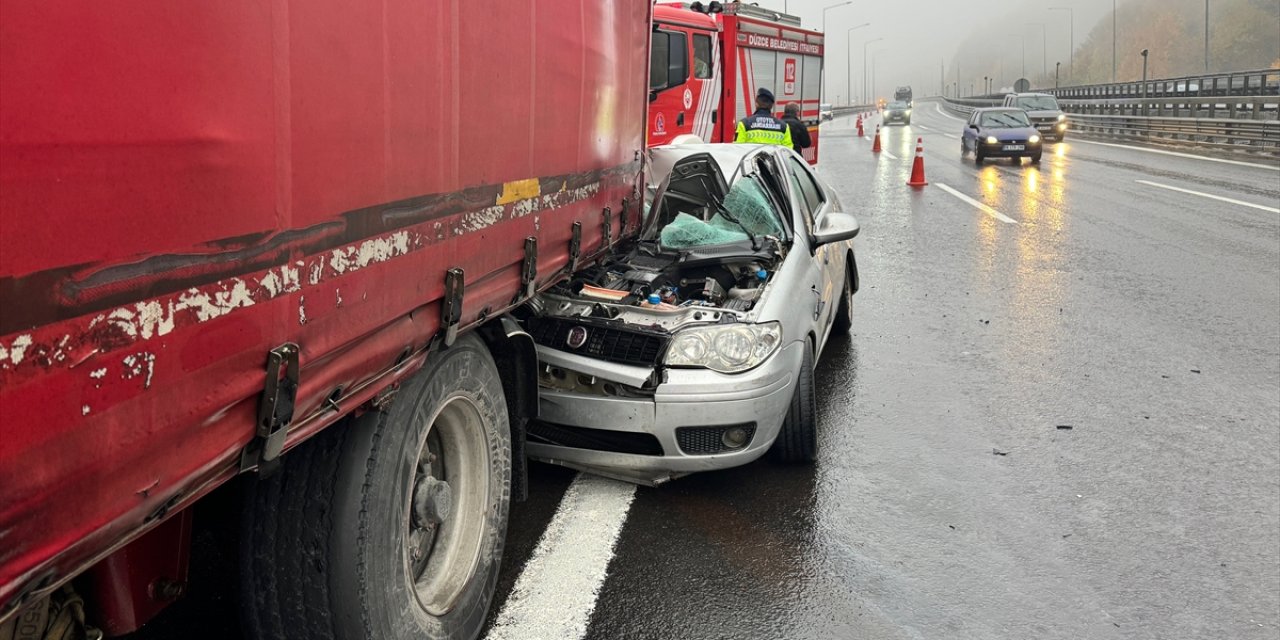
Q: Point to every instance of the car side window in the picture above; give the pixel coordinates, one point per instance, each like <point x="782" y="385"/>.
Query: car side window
<point x="808" y="186"/>
<point x="802" y="203"/>
<point x="702" y="56"/>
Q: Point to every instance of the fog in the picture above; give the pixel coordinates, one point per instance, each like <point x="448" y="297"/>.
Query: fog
<point x="920" y="36"/>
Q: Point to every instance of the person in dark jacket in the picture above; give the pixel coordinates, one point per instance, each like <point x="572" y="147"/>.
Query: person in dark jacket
<point x="761" y="127"/>
<point x="799" y="133"/>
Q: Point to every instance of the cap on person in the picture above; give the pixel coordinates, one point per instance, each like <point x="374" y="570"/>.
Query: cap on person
<point x="764" y="95"/>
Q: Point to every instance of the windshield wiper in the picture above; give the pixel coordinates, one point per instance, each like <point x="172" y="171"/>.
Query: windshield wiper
<point x="724" y="211"/>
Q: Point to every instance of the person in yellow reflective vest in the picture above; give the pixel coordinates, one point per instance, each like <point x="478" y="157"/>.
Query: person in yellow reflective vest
<point x="761" y="127"/>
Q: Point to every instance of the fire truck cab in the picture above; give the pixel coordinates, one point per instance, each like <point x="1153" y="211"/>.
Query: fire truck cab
<point x="707" y="62"/>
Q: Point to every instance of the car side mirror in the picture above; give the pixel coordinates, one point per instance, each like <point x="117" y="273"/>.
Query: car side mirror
<point x="653" y="95"/>
<point x="835" y="226"/>
<point x="974" y="127"/>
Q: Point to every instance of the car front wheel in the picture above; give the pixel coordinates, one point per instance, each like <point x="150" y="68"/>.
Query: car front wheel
<point x="798" y="440"/>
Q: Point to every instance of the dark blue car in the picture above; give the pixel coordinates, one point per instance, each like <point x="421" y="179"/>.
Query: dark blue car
<point x="1000" y="133"/>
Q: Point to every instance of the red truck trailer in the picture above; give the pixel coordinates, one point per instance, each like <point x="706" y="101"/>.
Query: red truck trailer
<point x="708" y="60"/>
<point x="279" y="238"/>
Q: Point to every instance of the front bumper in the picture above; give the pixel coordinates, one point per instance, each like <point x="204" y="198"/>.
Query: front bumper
<point x="688" y="398"/>
<point x="896" y="117"/>
<point x="1054" y="129"/>
<point x="998" y="150"/>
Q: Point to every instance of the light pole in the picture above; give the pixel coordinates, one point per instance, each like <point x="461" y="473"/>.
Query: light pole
<point x="1144" y="81"/>
<point x="1024" y="56"/>
<point x="1071" y="67"/>
<point x="822" y="88"/>
<point x="1057" y="69"/>
<point x="1044" y="48"/>
<point x="848" y="63"/>
<point x="1206" y="36"/>
<point x="1113" y="41"/>
<point x="864" y="67"/>
<point x="875" y="59"/>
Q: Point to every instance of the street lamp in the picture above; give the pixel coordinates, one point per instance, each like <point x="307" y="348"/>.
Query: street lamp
<point x="1113" y="41"/>
<point x="848" y="66"/>
<point x="1071" y="68"/>
<point x="1144" y="81"/>
<point x="1057" y="68"/>
<point x="1044" y="49"/>
<point x="1206" y="36"/>
<point x="822" y="87"/>
<point x="864" y="67"/>
<point x="875" y="59"/>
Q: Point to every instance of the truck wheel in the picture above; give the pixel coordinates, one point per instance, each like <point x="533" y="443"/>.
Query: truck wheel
<point x="391" y="526"/>
<point x="798" y="440"/>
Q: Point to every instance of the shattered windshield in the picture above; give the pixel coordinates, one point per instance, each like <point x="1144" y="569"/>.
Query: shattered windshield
<point x="1038" y="103"/>
<point x="746" y="214"/>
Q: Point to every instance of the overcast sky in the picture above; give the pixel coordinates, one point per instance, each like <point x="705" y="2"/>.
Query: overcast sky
<point x="920" y="34"/>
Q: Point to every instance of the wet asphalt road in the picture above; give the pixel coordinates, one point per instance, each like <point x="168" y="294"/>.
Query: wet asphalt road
<point x="1062" y="427"/>
<point x="949" y="499"/>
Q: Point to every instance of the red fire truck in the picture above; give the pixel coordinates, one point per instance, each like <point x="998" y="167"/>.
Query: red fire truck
<point x="278" y="240"/>
<point x="708" y="60"/>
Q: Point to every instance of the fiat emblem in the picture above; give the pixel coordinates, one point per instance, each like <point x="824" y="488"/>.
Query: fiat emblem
<point x="577" y="337"/>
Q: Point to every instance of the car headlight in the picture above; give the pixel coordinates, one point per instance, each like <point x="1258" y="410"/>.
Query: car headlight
<point x="727" y="348"/>
<point x="992" y="140"/>
<point x="1033" y="139"/>
<point x="1061" y="117"/>
<point x="908" y="112"/>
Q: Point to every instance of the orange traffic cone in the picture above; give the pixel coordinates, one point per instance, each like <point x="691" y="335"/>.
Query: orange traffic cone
<point x="917" y="168"/>
<point x="860" y="133"/>
<point x="875" y="147"/>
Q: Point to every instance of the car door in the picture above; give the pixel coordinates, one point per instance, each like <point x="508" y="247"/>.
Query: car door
<point x="970" y="135"/>
<point x="668" y="74"/>
<point x="827" y="265"/>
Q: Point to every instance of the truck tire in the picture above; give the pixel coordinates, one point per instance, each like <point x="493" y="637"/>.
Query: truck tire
<point x="798" y="440"/>
<point x="390" y="526"/>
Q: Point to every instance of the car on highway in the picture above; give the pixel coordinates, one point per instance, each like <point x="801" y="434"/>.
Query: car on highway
<point x="825" y="112"/>
<point x="1044" y="112"/>
<point x="1000" y="132"/>
<point x="897" y="111"/>
<point x="692" y="347"/>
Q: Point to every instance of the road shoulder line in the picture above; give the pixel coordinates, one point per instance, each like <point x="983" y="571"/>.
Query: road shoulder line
<point x="557" y="590"/>
<point x="1239" y="163"/>
<point x="1208" y="195"/>
<point x="984" y="208"/>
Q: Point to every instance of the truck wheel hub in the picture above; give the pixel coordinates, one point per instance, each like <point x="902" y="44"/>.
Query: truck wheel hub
<point x="432" y="501"/>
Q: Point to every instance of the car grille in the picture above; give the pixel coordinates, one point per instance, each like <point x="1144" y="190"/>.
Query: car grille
<point x="705" y="440"/>
<point x="606" y="343"/>
<point x="641" y="444"/>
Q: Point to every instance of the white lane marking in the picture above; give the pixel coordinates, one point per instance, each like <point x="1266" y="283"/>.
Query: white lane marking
<point x="1238" y="163"/>
<point x="556" y="593"/>
<point x="1208" y="195"/>
<point x="867" y="138"/>
<point x="988" y="210"/>
<point x="891" y="156"/>
<point x="940" y="111"/>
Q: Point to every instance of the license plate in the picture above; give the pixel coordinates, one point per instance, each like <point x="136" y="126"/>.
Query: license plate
<point x="1015" y="147"/>
<point x="1044" y="127"/>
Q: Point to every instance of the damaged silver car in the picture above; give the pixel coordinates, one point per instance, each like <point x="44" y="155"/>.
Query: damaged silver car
<point x="693" y="347"/>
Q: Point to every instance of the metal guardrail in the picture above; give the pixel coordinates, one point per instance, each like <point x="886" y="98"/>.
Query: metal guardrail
<point x="1255" y="82"/>
<point x="1232" y="107"/>
<point x="1253" y="135"/>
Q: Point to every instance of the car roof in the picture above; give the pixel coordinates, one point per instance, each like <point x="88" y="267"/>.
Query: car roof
<point x="727" y="155"/>
<point x="1032" y="93"/>
<point x="997" y="110"/>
